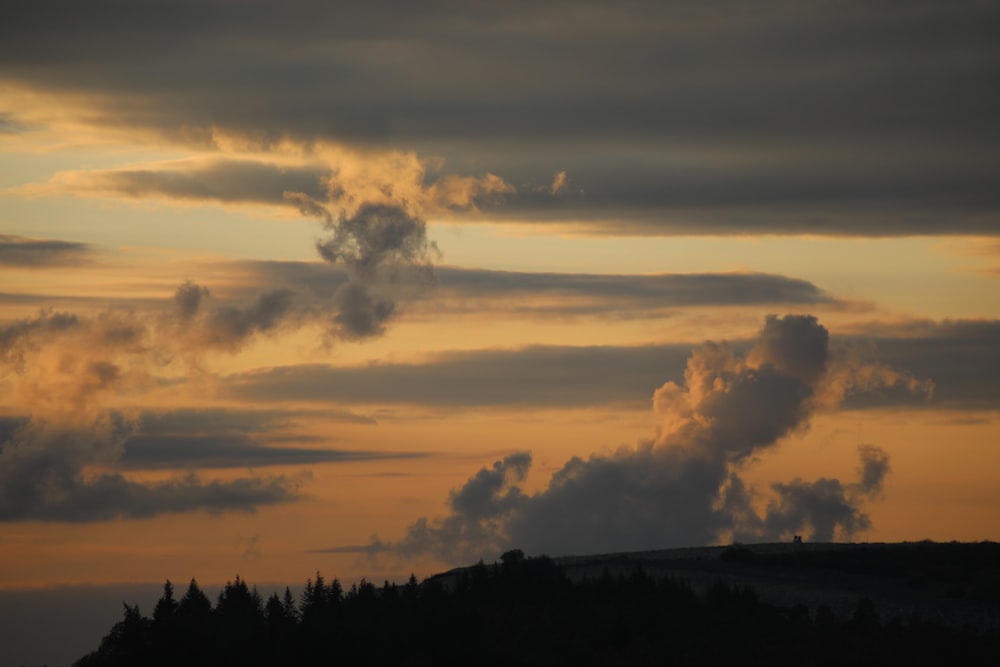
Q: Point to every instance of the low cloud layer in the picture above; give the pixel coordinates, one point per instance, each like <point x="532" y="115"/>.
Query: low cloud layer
<point x="683" y="486"/>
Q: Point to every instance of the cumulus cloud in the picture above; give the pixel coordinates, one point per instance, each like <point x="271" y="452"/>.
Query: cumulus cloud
<point x="683" y="486"/>
<point x="479" y="513"/>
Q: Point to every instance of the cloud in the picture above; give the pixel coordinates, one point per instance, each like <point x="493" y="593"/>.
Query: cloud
<point x="566" y="294"/>
<point x="944" y="365"/>
<point x="681" y="487"/>
<point x="17" y="338"/>
<point x="533" y="376"/>
<point x="863" y="119"/>
<point x="63" y="362"/>
<point x="75" y="468"/>
<point x="378" y="246"/>
<point x="9" y="124"/>
<point x="52" y="472"/>
<point x="229" y="325"/>
<point x="479" y="511"/>
<point x="959" y="356"/>
<point x="198" y="438"/>
<point x="319" y="181"/>
<point x="560" y="295"/>
<point x="26" y="253"/>
<point x="231" y="450"/>
<point x="558" y="182"/>
<point x="64" y="367"/>
<point x="223" y="181"/>
<point x="193" y="421"/>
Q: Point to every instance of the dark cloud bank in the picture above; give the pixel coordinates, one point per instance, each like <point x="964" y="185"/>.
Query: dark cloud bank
<point x="683" y="486"/>
<point x="863" y="118"/>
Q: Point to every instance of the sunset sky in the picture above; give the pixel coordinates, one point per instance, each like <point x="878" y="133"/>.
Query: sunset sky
<point x="381" y="288"/>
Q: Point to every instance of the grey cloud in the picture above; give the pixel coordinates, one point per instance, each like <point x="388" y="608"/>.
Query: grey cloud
<point x="42" y="478"/>
<point x="757" y="189"/>
<point x="821" y="506"/>
<point x="308" y="206"/>
<point x="201" y="322"/>
<point x="188" y="421"/>
<point x="17" y="337"/>
<point x="865" y="118"/>
<point x="359" y="313"/>
<point x="872" y="469"/>
<point x="194" y="438"/>
<point x="959" y="357"/>
<point x="478" y="291"/>
<point x="31" y="253"/>
<point x="9" y="124"/>
<point x="608" y="295"/>
<point x="771" y="60"/>
<point x="479" y="511"/>
<point x="223" y="181"/>
<point x="541" y="376"/>
<point x="230" y="324"/>
<point x="681" y="488"/>
<point x="380" y="246"/>
<point x="482" y="290"/>
<point x="377" y="238"/>
<point x="150" y="452"/>
<point x="188" y="299"/>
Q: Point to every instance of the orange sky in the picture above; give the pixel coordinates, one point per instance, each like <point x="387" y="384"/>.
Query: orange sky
<point x="272" y="293"/>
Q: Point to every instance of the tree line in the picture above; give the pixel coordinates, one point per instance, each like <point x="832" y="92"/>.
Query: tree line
<point x="518" y="611"/>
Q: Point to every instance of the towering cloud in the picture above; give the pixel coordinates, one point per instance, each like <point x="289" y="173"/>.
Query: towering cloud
<point x="682" y="486"/>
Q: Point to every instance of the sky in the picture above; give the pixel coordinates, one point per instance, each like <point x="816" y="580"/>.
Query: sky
<point x="383" y="288"/>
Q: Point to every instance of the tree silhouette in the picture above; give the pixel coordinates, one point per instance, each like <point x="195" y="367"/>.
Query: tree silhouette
<point x="522" y="611"/>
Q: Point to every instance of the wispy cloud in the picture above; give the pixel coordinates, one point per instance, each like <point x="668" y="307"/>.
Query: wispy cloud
<point x="27" y="253"/>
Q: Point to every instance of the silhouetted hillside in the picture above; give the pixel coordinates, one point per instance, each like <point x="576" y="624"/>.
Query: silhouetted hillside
<point x="540" y="611"/>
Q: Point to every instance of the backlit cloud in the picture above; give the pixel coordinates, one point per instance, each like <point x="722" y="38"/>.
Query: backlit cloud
<point x="684" y="485"/>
